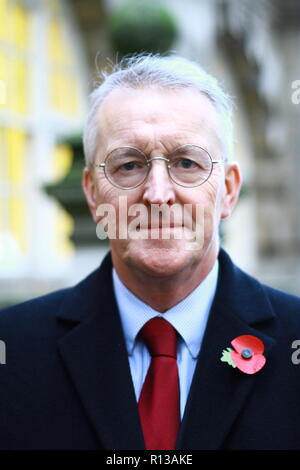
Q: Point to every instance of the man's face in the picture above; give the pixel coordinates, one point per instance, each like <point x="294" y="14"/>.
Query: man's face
<point x="157" y="122"/>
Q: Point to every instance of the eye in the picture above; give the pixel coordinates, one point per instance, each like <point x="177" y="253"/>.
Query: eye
<point x="186" y="163"/>
<point x="129" y="166"/>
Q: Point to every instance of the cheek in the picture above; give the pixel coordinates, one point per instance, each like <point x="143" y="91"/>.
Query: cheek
<point x="105" y="196"/>
<point x="213" y="194"/>
<point x="206" y="206"/>
<point x="213" y="206"/>
<point x="215" y="188"/>
<point x="119" y="199"/>
<point x="207" y="197"/>
<point x="106" y="193"/>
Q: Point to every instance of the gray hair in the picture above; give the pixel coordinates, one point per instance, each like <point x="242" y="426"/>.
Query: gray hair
<point x="171" y="72"/>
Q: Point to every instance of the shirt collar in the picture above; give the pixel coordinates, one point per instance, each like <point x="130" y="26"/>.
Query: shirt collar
<point x="188" y="317"/>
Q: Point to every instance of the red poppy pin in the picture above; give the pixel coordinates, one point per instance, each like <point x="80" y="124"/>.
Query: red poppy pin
<point x="247" y="354"/>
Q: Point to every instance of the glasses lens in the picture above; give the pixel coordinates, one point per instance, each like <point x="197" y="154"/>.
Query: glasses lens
<point x="190" y="166"/>
<point x="126" y="167"/>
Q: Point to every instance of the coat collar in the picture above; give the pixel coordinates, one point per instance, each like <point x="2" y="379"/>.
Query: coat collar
<point x="218" y="392"/>
<point x="94" y="354"/>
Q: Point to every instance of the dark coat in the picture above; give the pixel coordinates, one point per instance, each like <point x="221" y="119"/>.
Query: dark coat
<point x="66" y="383"/>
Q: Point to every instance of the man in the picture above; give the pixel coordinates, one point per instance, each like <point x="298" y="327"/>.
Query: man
<point x="137" y="355"/>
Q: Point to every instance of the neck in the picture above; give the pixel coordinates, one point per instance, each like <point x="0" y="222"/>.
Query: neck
<point x="161" y="292"/>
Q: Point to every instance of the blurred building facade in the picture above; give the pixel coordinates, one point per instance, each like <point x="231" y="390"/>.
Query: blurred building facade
<point x="43" y="97"/>
<point x="49" y="50"/>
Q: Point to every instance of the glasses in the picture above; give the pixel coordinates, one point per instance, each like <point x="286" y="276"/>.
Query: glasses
<point x="188" y="166"/>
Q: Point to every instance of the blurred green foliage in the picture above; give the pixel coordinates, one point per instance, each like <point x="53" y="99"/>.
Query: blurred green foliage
<point x="69" y="194"/>
<point x="141" y="26"/>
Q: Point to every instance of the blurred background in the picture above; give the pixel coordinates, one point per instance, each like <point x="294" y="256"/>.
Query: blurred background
<point x="50" y="55"/>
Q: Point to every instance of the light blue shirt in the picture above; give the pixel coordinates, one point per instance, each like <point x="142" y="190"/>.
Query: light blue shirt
<point x="188" y="317"/>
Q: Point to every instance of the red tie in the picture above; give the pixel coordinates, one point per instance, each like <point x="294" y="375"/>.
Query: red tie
<point x="159" y="399"/>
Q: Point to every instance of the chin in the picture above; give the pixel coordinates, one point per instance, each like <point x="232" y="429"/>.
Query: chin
<point x="161" y="258"/>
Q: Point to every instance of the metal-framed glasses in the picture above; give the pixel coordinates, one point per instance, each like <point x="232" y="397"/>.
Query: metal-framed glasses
<point x="128" y="167"/>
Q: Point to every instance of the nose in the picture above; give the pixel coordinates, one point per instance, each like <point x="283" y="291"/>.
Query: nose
<point x="159" y="187"/>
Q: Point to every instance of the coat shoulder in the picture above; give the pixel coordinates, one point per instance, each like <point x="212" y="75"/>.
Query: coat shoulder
<point x="254" y="301"/>
<point x="39" y="316"/>
<point x="286" y="306"/>
<point x="28" y="316"/>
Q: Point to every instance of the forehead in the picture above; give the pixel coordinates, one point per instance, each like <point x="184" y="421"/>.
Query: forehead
<point x="151" y="119"/>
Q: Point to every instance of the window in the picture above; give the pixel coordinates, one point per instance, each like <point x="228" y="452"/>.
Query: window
<point x="42" y="97"/>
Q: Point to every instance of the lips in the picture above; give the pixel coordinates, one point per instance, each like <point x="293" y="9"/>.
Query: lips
<point x="154" y="226"/>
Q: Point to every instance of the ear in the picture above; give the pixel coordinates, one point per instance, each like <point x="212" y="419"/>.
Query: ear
<point x="233" y="183"/>
<point x="89" y="189"/>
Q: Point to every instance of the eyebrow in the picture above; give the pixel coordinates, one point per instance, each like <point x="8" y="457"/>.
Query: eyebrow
<point x="142" y="146"/>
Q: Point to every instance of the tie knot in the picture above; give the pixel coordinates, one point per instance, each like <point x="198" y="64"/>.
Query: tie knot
<point x="160" y="337"/>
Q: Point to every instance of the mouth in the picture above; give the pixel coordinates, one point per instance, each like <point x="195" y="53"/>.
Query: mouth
<point x="161" y="226"/>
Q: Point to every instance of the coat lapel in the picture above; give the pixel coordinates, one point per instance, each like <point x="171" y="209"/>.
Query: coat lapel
<point x="95" y="357"/>
<point x="218" y="391"/>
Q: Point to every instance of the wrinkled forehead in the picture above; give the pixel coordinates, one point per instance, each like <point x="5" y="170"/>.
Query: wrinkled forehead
<point x="149" y="116"/>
